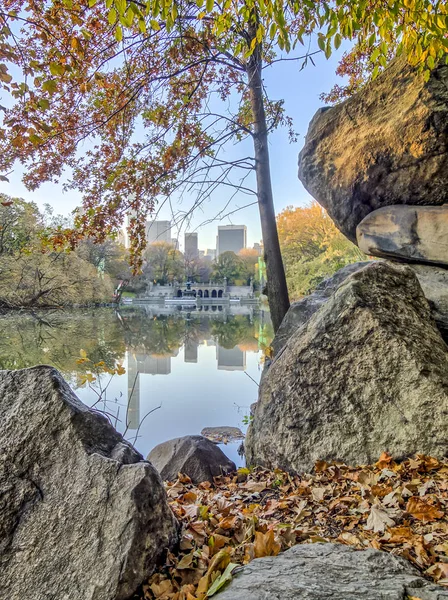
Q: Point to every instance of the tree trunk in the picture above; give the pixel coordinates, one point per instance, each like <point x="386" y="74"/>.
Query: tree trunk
<point x="276" y="279"/>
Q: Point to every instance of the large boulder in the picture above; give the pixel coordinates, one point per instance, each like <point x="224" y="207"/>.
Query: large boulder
<point x="367" y="373"/>
<point x="192" y="455"/>
<point x="301" y="311"/>
<point x="82" y="515"/>
<point x="408" y="233"/>
<point x="433" y="281"/>
<point x="318" y="571"/>
<point x="386" y="145"/>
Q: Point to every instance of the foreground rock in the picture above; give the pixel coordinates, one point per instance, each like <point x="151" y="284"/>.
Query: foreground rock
<point x="301" y="311"/>
<point x="367" y="373"/>
<point x="82" y="516"/>
<point x="433" y="281"/>
<point x="192" y="455"/>
<point x="318" y="571"/>
<point x="385" y="145"/>
<point x="409" y="233"/>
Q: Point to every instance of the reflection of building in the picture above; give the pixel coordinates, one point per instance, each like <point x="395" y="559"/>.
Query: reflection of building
<point x="230" y="360"/>
<point x="191" y="245"/>
<point x="138" y="364"/>
<point x="158" y="231"/>
<point x="191" y="351"/>
<point x="231" y="238"/>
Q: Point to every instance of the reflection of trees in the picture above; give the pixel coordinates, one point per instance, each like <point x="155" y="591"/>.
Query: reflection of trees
<point x="237" y="329"/>
<point x="56" y="338"/>
<point x="162" y="335"/>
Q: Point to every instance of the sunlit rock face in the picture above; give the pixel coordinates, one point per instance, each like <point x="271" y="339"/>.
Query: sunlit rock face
<point x="388" y="144"/>
<point x="408" y="233"/>
<point x="82" y="515"/>
<point x="367" y="373"/>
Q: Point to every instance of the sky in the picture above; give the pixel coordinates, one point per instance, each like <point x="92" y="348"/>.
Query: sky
<point x="301" y="91"/>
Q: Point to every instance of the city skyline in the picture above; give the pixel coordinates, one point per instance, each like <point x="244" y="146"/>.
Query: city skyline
<point x="229" y="238"/>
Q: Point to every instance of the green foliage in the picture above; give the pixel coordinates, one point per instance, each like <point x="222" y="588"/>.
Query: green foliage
<point x="20" y="222"/>
<point x="163" y="263"/>
<point x="50" y="280"/>
<point x="312" y="248"/>
<point x="228" y="266"/>
<point x="32" y="275"/>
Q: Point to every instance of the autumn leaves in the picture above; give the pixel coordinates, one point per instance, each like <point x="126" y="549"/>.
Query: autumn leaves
<point x="398" y="508"/>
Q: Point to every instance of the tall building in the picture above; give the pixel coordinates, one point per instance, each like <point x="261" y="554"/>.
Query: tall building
<point x="259" y="248"/>
<point x="191" y="245"/>
<point x="231" y="238"/>
<point x="210" y="253"/>
<point x="158" y="231"/>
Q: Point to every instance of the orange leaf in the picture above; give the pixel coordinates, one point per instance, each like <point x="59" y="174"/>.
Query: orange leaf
<point x="422" y="510"/>
<point x="265" y="544"/>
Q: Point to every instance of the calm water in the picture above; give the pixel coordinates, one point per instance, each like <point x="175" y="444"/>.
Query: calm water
<point x="184" y="371"/>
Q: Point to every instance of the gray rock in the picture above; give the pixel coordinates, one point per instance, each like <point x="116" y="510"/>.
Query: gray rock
<point x="82" y="516"/>
<point x="408" y="233"/>
<point x="367" y="373"/>
<point x="192" y="455"/>
<point x="301" y="311"/>
<point x="223" y="434"/>
<point x="388" y="144"/>
<point x="434" y="283"/>
<point x="333" y="571"/>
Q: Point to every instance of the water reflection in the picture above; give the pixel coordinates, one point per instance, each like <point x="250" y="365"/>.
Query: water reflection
<point x="184" y="371"/>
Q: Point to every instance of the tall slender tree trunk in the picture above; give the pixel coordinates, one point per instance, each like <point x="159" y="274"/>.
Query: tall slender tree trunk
<point x="275" y="271"/>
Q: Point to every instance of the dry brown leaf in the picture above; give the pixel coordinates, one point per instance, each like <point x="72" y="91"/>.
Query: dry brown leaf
<point x="423" y="511"/>
<point x="318" y="493"/>
<point x="384" y="461"/>
<point x="378" y="520"/>
<point x="162" y="589"/>
<point x="265" y="544"/>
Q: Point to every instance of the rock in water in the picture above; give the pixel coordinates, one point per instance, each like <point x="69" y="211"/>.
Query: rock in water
<point x="192" y="455"/>
<point x="82" y="515"/>
<point x="318" y="571"/>
<point x="410" y="233"/>
<point x="367" y="373"/>
<point x="386" y="145"/>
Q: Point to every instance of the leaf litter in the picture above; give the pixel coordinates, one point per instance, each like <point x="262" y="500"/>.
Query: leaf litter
<point x="399" y="508"/>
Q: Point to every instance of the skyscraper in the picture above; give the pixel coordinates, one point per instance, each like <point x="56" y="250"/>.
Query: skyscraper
<point x="191" y="245"/>
<point x="231" y="238"/>
<point x="158" y="231"/>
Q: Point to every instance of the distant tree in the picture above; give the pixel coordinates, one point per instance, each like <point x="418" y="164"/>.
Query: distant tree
<point x="108" y="257"/>
<point x="163" y="263"/>
<point x="312" y="247"/>
<point x="50" y="280"/>
<point x="228" y="266"/>
<point x="249" y="256"/>
<point x="20" y="223"/>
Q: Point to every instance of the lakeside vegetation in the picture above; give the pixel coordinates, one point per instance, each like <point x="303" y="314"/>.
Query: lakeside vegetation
<point x="33" y="273"/>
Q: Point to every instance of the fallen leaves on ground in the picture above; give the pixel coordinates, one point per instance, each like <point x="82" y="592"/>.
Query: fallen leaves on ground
<point x="398" y="508"/>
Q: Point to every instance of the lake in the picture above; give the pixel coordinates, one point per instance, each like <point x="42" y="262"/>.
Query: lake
<point x="184" y="371"/>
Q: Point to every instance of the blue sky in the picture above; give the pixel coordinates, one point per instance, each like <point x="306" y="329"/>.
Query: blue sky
<point x="300" y="90"/>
